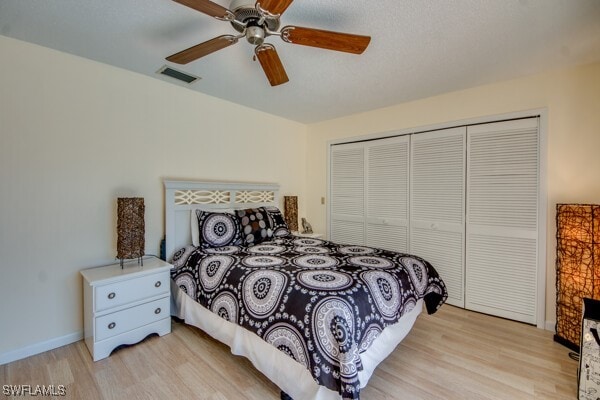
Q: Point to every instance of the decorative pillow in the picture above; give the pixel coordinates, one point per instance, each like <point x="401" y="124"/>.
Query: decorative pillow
<point x="194" y="222"/>
<point x="255" y="225"/>
<point x="278" y="224"/>
<point x="218" y="229"/>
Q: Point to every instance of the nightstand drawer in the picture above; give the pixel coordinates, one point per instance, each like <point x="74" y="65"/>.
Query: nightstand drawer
<point x="125" y="320"/>
<point x="131" y="290"/>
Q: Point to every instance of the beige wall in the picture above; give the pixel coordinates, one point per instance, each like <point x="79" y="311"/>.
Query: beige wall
<point x="74" y="136"/>
<point x="572" y="100"/>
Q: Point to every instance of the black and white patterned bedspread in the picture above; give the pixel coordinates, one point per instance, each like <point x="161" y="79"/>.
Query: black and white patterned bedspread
<point x="321" y="303"/>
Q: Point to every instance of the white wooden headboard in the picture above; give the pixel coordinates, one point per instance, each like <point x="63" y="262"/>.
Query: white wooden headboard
<point x="183" y="196"/>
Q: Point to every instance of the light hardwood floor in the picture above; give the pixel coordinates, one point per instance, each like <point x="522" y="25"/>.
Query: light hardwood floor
<point x="454" y="354"/>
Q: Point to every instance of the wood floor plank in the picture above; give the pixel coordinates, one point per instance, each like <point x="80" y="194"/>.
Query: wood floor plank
<point x="453" y="354"/>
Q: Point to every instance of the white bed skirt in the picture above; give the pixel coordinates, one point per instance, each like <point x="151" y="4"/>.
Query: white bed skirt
<point x="289" y="375"/>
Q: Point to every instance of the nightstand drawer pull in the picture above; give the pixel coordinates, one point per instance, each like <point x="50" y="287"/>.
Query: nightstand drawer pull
<point x="157" y="311"/>
<point x="111" y="295"/>
<point x="157" y="284"/>
<point x="111" y="325"/>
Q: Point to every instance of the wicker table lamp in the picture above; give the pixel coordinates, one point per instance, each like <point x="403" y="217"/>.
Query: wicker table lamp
<point x="130" y="228"/>
<point x="290" y="205"/>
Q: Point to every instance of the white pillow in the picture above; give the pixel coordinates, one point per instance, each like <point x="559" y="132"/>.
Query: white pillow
<point x="194" y="221"/>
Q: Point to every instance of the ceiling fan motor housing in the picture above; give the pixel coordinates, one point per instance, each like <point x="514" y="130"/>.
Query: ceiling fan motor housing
<point x="235" y="4"/>
<point x="245" y="12"/>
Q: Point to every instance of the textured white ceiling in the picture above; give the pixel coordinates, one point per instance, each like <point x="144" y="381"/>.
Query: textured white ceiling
<point x="419" y="48"/>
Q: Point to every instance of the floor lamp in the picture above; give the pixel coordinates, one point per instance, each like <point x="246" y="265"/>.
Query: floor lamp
<point x="577" y="267"/>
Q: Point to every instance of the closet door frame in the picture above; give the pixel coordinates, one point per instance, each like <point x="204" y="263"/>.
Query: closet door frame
<point x="543" y="233"/>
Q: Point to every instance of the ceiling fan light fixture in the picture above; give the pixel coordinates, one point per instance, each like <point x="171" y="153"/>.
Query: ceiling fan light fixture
<point x="255" y="35"/>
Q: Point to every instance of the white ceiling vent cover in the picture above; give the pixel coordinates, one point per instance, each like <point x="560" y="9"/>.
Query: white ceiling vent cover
<point x="175" y="74"/>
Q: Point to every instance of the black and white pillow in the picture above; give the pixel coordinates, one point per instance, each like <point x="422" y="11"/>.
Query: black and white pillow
<point x="278" y="224"/>
<point x="255" y="225"/>
<point x="218" y="229"/>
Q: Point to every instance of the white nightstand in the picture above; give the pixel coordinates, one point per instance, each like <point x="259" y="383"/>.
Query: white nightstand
<point x="123" y="306"/>
<point x="309" y="235"/>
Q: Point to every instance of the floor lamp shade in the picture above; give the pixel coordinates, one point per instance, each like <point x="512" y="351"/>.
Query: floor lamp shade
<point x="290" y="205"/>
<point x="577" y="267"/>
<point x="130" y="228"/>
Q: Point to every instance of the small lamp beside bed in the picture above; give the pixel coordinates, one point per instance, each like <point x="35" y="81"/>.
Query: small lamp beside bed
<point x="130" y="229"/>
<point x="290" y="206"/>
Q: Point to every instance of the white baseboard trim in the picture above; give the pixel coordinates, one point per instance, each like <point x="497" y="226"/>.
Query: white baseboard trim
<point x="40" y="347"/>
<point x="551" y="326"/>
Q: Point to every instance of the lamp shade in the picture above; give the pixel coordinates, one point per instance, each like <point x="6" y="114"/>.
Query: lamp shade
<point x="577" y="267"/>
<point x="290" y="205"/>
<point x="130" y="227"/>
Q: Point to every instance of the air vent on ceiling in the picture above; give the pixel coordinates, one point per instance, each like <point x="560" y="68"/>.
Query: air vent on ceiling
<point x="181" y="76"/>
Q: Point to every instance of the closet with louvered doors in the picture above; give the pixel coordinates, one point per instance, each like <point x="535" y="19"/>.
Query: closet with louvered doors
<point x="369" y="193"/>
<point x="466" y="199"/>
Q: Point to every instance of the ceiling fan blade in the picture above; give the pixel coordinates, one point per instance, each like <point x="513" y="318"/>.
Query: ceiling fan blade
<point x="346" y="42"/>
<point x="206" y="7"/>
<point x="202" y="49"/>
<point x="274" y="6"/>
<point x="271" y="64"/>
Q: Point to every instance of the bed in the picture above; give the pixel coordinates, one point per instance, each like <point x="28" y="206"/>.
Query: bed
<point x="315" y="317"/>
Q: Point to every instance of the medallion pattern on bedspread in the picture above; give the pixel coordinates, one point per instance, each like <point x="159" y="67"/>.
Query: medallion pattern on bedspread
<point x="321" y="303"/>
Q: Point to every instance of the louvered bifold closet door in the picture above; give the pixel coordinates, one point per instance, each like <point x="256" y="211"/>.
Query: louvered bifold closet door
<point x="437" y="205"/>
<point x="502" y="218"/>
<point x="387" y="193"/>
<point x="347" y="192"/>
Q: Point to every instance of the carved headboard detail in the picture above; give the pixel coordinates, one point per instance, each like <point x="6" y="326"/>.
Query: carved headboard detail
<point x="183" y="196"/>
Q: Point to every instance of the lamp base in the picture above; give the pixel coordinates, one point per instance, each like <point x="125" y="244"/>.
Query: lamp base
<point x="140" y="261"/>
<point x="566" y="343"/>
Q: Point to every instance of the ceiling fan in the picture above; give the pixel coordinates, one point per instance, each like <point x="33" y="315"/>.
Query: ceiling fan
<point x="256" y="22"/>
